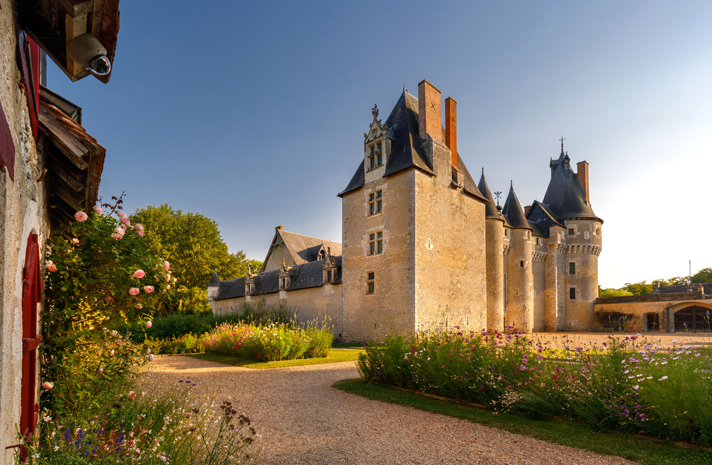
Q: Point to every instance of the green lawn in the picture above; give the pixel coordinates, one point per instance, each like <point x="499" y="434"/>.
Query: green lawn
<point x="335" y="355"/>
<point x="560" y="432"/>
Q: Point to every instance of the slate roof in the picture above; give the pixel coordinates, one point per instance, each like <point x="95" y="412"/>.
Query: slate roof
<point x="490" y="208"/>
<point x="540" y="215"/>
<point x="512" y="210"/>
<point x="304" y="276"/>
<point x="302" y="248"/>
<point x="707" y="289"/>
<point x="406" y="148"/>
<point x="565" y="197"/>
<point x="215" y="280"/>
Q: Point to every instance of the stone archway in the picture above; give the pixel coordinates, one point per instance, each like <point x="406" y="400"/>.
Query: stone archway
<point x="693" y="318"/>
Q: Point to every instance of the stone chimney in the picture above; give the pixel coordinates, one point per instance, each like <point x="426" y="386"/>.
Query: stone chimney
<point x="526" y="209"/>
<point x="429" y="111"/>
<point x="582" y="175"/>
<point x="451" y="128"/>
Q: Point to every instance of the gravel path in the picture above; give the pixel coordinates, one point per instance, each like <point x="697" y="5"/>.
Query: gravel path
<point x="303" y="420"/>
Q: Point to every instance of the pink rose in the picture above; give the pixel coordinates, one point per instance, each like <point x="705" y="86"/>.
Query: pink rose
<point x="166" y="266"/>
<point x="80" y="216"/>
<point x="168" y="278"/>
<point x="134" y="291"/>
<point x="175" y="280"/>
<point x="121" y="214"/>
<point x="119" y="231"/>
<point x="150" y="357"/>
<point x="132" y="394"/>
<point x="98" y="210"/>
<point x="139" y="274"/>
<point x="149" y="323"/>
<point x="148" y="289"/>
<point x="125" y="221"/>
<point x="50" y="266"/>
<point x="101" y="369"/>
<point x="168" y="286"/>
<point x="123" y="226"/>
<point x="47" y="385"/>
<point x="148" y="351"/>
<point x="139" y="229"/>
<point x="116" y="236"/>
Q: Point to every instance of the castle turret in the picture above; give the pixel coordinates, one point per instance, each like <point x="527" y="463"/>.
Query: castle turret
<point x="494" y="233"/>
<point x="213" y="289"/>
<point x="567" y="199"/>
<point x="520" y="287"/>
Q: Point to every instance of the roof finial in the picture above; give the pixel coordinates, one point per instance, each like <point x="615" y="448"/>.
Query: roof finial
<point x="483" y="171"/>
<point x="374" y="112"/>
<point x="562" y="143"/>
<point x="511" y="184"/>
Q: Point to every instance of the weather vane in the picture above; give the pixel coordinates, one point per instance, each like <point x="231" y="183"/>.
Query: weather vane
<point x="498" y="194"/>
<point x="562" y="142"/>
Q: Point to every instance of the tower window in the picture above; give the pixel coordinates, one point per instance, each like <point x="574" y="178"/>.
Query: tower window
<point x="375" y="243"/>
<point x="380" y="147"/>
<point x="572" y="268"/>
<point x="328" y="276"/>
<point x="370" y="283"/>
<point x="521" y="263"/>
<point x="572" y="293"/>
<point x="571" y="231"/>
<point x="375" y="202"/>
<point x="379" y="159"/>
<point x="373" y="150"/>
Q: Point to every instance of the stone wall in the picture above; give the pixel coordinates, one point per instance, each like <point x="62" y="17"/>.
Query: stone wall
<point x="635" y="311"/>
<point x="23" y="210"/>
<point x="495" y="273"/>
<point x="520" y="286"/>
<point x="449" y="239"/>
<point x="582" y="250"/>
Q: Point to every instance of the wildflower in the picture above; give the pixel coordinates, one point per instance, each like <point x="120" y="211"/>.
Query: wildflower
<point x="101" y="369"/>
<point x="51" y="266"/>
<point x="47" y="385"/>
<point x="134" y="291"/>
<point x="149" y="323"/>
<point x="132" y="394"/>
<point x="139" y="274"/>
<point x="80" y="216"/>
<point x="663" y="378"/>
<point x="98" y="210"/>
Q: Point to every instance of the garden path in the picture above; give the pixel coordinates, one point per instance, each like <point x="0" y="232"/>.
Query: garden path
<point x="303" y="420"/>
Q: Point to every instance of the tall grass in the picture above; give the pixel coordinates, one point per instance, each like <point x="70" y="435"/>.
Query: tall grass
<point x="629" y="385"/>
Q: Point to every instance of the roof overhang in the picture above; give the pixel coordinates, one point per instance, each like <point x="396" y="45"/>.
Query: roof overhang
<point x="53" y="24"/>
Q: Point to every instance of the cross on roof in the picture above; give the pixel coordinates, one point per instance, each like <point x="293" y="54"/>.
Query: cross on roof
<point x="562" y="142"/>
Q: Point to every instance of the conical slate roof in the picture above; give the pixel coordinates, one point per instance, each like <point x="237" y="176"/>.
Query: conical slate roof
<point x="490" y="208"/>
<point x="512" y="210"/>
<point x="565" y="197"/>
<point x="215" y="280"/>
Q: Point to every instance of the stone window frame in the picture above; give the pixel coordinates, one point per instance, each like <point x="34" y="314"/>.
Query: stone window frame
<point x="375" y="243"/>
<point x="575" y="268"/>
<point x="575" y="293"/>
<point x="528" y="235"/>
<point x="329" y="276"/>
<point x="538" y="240"/>
<point x="374" y="156"/>
<point x="569" y="228"/>
<point x="375" y="202"/>
<point x="370" y="282"/>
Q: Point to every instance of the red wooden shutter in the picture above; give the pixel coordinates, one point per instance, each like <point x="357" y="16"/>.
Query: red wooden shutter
<point x="30" y="68"/>
<point x="31" y="293"/>
<point x="7" y="146"/>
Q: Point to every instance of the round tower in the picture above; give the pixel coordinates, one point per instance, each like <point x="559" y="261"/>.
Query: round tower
<point x="494" y="258"/>
<point x="520" y="280"/>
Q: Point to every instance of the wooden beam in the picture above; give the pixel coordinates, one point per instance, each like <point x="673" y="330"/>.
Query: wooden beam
<point x="96" y="17"/>
<point x="69" y="145"/>
<point x="73" y="27"/>
<point x="77" y="7"/>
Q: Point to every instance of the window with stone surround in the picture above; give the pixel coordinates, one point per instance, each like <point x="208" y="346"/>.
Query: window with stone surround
<point x="572" y="268"/>
<point x="572" y="293"/>
<point x="328" y="276"/>
<point x="370" y="282"/>
<point x="375" y="243"/>
<point x="375" y="202"/>
<point x="572" y="231"/>
<point x="375" y="156"/>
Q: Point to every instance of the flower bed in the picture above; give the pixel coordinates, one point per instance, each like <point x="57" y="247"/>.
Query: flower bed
<point x="629" y="385"/>
<point x="271" y="342"/>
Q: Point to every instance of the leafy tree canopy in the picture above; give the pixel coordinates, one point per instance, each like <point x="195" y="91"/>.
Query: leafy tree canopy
<point x="703" y="276"/>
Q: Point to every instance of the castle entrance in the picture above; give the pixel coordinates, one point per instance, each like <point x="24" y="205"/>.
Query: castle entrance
<point x="692" y="319"/>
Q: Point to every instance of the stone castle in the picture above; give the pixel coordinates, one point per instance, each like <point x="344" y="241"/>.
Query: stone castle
<point x="424" y="246"/>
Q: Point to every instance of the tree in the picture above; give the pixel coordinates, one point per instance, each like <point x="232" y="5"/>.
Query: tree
<point x="613" y="292"/>
<point x="193" y="246"/>
<point x="703" y="276"/>
<point x="641" y="288"/>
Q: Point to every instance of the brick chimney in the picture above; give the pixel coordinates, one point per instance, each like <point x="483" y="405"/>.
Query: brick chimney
<point x="429" y="111"/>
<point x="582" y="175"/>
<point x="279" y="228"/>
<point x="526" y="209"/>
<point x="451" y="128"/>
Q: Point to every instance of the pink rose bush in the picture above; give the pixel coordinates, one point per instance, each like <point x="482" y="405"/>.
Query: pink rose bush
<point x="47" y="385"/>
<point x="139" y="229"/>
<point x="139" y="274"/>
<point x="148" y="289"/>
<point x="149" y="323"/>
<point x="166" y="266"/>
<point x="134" y="291"/>
<point x="98" y="210"/>
<point x="80" y="216"/>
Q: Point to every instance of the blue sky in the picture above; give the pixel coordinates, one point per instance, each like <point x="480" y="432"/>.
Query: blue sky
<point x="253" y="113"/>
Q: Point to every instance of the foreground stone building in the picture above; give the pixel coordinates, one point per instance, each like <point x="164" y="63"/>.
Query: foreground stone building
<point x="425" y="247"/>
<point x="49" y="168"/>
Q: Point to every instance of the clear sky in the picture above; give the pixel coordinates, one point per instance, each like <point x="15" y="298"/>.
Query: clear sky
<point x="253" y="113"/>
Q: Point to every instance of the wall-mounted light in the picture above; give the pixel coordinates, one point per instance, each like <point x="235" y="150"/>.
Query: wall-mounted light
<point x="88" y="52"/>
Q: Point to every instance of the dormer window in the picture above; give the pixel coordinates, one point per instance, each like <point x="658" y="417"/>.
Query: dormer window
<point x="373" y="150"/>
<point x="375" y="202"/>
<point x="380" y="147"/>
<point x="375" y="158"/>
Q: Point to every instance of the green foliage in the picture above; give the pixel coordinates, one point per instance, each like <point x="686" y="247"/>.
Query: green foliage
<point x="627" y="385"/>
<point x="641" y="288"/>
<point x="158" y="428"/>
<point x="94" y="268"/>
<point x="185" y="344"/>
<point x="193" y="245"/>
<point x="613" y="292"/>
<point x="702" y="276"/>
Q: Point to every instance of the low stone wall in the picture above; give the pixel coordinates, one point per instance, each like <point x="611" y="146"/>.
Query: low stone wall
<point x="634" y="310"/>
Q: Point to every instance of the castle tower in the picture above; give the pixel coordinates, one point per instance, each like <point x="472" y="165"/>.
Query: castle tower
<point x="520" y="287"/>
<point x="413" y="226"/>
<point x="575" y="242"/>
<point x="494" y="233"/>
<point x="213" y="286"/>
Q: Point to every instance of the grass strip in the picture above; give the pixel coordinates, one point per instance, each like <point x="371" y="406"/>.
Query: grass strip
<point x="335" y="356"/>
<point x="648" y="452"/>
